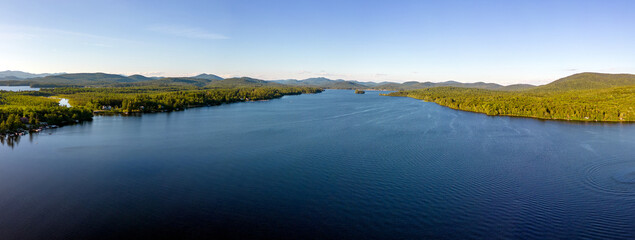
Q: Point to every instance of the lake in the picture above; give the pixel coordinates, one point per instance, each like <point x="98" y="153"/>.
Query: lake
<point x="18" y="88"/>
<point x="63" y="101"/>
<point x="330" y="165"/>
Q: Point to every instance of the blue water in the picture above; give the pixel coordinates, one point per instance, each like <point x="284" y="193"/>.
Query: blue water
<point x="330" y="165"/>
<point x="18" y="88"/>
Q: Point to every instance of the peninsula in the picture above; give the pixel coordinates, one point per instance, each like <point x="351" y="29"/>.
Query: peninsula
<point x="580" y="97"/>
<point x="90" y="93"/>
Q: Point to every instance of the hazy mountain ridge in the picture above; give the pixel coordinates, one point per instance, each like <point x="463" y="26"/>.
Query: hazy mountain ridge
<point x="139" y="78"/>
<point x="585" y="80"/>
<point x="324" y="83"/>
<point x="241" y="82"/>
<point x="208" y="76"/>
<point x="18" y="75"/>
<point x="352" y="84"/>
<point x="106" y="79"/>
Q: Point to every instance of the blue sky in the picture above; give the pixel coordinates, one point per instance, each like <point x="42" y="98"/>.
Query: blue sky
<point x="492" y="41"/>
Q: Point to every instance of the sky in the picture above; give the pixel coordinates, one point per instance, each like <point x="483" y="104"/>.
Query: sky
<point x="504" y="42"/>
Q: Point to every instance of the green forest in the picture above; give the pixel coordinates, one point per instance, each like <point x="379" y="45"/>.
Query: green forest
<point x="27" y="110"/>
<point x="579" y="97"/>
<point x="21" y="111"/>
<point x="606" y="104"/>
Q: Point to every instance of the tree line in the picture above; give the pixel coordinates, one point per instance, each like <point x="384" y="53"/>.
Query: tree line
<point x="153" y="99"/>
<point x="29" y="110"/>
<point x="607" y="104"/>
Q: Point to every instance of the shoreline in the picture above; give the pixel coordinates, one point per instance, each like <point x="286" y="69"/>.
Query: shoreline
<point x="42" y="128"/>
<point x="518" y="116"/>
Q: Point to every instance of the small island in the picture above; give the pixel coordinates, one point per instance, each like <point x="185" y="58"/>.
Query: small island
<point x="357" y="91"/>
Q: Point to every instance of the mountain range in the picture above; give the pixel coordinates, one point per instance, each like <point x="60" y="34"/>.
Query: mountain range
<point x="18" y="75"/>
<point x="576" y="81"/>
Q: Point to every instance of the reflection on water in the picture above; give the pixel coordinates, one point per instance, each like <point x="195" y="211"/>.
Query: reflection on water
<point x="10" y="141"/>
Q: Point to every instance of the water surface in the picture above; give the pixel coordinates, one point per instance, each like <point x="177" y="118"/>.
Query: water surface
<point x="328" y="165"/>
<point x="18" y="88"/>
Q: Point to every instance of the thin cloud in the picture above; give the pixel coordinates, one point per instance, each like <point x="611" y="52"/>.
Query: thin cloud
<point x="187" y="32"/>
<point x="16" y="36"/>
<point x="32" y="32"/>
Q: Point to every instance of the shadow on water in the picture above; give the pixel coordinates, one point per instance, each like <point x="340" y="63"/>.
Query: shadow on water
<point x="13" y="140"/>
<point x="10" y="141"/>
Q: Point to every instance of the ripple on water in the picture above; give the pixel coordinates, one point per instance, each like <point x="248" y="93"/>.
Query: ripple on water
<point x="625" y="175"/>
<point x="616" y="178"/>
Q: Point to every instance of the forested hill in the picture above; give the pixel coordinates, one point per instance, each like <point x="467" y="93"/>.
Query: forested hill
<point x="202" y="80"/>
<point x="85" y="79"/>
<point x="111" y="80"/>
<point x="242" y="82"/>
<point x="580" y="97"/>
<point x="589" y="81"/>
<point x="344" y="84"/>
<point x="208" y="76"/>
<point x="419" y="85"/>
<point x="325" y="83"/>
<point x="578" y="81"/>
<point x="20" y="75"/>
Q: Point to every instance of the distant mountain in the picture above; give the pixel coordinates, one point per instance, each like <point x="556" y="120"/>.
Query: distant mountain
<point x="293" y="82"/>
<point x="578" y="81"/>
<point x="343" y="84"/>
<point x="241" y="82"/>
<point x="306" y="82"/>
<point x="208" y="77"/>
<point x="589" y="81"/>
<point x="370" y="84"/>
<point x="78" y="79"/>
<point x="18" y="75"/>
<point x="318" y="81"/>
<point x="324" y="83"/>
<point x="86" y="79"/>
<point x="419" y="85"/>
<point x="7" y="78"/>
<point x="199" y="82"/>
<point x="115" y="80"/>
<point x="140" y="78"/>
<point x="517" y="87"/>
<point x="584" y="80"/>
